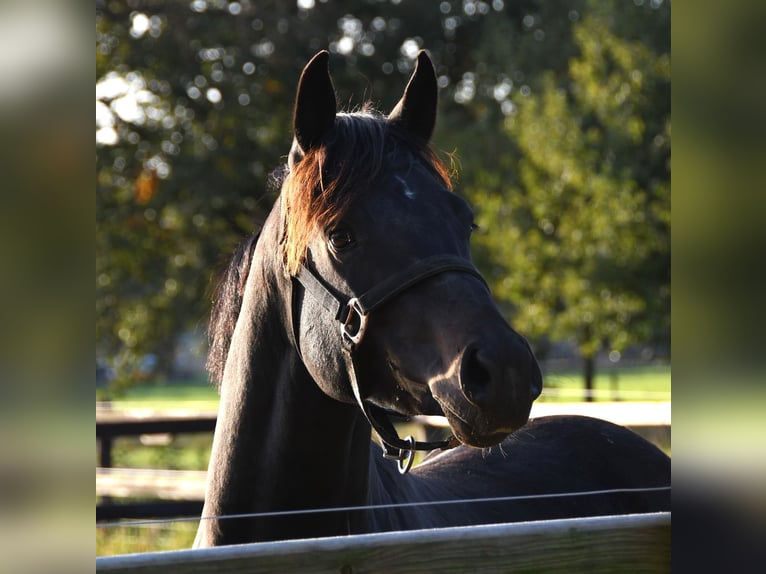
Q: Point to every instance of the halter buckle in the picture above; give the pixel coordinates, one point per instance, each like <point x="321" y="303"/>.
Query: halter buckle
<point x="355" y="324"/>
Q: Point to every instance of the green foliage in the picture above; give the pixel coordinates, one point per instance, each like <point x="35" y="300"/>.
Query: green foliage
<point x="579" y="242"/>
<point x="558" y="112"/>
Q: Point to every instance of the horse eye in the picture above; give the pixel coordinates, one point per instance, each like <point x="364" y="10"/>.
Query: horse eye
<point x="474" y="226"/>
<point x="341" y="238"/>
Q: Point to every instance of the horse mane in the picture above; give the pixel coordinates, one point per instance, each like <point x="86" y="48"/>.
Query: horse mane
<point x="227" y="302"/>
<point x="340" y="170"/>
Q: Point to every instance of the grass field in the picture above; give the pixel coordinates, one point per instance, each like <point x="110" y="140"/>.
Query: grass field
<point x="111" y="541"/>
<point x="645" y="383"/>
<point x="195" y="393"/>
<point x="632" y="383"/>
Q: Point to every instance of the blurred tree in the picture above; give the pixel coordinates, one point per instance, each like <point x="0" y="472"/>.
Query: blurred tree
<point x="580" y="213"/>
<point x="193" y="108"/>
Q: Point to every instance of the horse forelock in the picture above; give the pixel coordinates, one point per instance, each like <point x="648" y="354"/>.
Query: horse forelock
<point x="322" y="186"/>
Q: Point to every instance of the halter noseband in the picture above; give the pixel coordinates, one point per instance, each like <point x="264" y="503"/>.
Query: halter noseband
<point x="353" y="318"/>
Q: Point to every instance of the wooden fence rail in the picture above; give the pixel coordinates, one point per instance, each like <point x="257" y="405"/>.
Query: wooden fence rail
<point x="632" y="543"/>
<point x="182" y="492"/>
<point x="112" y="424"/>
<point x="151" y="483"/>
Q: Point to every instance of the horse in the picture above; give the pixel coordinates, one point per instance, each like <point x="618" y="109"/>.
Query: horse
<point x="357" y="303"/>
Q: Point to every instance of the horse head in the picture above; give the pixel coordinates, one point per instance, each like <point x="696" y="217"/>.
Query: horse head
<point x="386" y="308"/>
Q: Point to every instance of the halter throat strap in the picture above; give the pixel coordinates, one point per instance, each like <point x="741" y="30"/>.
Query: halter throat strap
<point x="352" y="315"/>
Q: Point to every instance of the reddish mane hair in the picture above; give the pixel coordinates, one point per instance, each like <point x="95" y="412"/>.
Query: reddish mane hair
<point x="328" y="179"/>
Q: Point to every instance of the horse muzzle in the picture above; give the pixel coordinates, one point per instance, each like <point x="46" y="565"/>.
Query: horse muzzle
<point x="490" y="391"/>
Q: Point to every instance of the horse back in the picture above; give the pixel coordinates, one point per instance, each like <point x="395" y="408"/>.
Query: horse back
<point x="553" y="467"/>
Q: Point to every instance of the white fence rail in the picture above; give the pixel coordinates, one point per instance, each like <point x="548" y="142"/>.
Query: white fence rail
<point x="635" y="414"/>
<point x="190" y="485"/>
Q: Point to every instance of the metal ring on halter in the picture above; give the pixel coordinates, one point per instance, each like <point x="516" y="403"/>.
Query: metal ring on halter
<point x="407" y="456"/>
<point x="355" y="324"/>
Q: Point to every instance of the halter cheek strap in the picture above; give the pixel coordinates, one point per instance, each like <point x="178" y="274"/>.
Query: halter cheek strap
<point x="353" y="316"/>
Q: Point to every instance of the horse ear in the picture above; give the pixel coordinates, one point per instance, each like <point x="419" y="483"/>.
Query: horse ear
<point x="416" y="111"/>
<point x="314" y="103"/>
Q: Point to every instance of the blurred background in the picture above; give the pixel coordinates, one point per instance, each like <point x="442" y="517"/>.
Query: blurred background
<point x="167" y="70"/>
<point x="556" y="118"/>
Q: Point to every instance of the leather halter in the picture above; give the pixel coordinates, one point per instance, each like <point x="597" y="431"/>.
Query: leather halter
<point x="353" y="316"/>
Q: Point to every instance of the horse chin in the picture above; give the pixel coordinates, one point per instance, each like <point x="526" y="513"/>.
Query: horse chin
<point x="470" y="435"/>
<point x="473" y="426"/>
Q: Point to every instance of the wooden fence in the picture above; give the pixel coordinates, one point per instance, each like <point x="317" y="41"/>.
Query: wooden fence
<point x="111" y="424"/>
<point x="182" y="492"/>
<point x="632" y="543"/>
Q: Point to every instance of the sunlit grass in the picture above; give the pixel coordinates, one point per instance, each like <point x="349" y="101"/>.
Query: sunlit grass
<point x="185" y="451"/>
<point x="646" y="383"/>
<point x="112" y="540"/>
<point x="195" y="395"/>
<point x="631" y="383"/>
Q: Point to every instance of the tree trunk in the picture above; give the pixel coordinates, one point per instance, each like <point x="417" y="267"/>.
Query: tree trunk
<point x="589" y="373"/>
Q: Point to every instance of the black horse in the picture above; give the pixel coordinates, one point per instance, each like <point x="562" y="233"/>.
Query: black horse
<point x="358" y="301"/>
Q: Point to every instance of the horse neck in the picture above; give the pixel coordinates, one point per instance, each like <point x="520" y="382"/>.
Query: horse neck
<point x="280" y="443"/>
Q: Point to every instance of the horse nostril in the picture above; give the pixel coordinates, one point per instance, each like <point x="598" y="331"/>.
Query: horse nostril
<point x="475" y="378"/>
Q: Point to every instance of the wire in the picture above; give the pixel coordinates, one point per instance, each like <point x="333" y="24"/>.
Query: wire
<point x="282" y="513"/>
